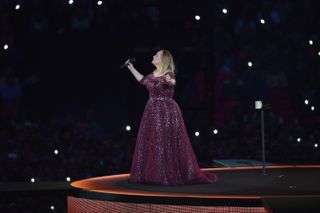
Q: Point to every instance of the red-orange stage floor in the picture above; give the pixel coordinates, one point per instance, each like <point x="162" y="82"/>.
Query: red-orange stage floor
<point x="242" y="189"/>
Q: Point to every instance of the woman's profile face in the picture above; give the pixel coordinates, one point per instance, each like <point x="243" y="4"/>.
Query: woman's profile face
<point x="157" y="58"/>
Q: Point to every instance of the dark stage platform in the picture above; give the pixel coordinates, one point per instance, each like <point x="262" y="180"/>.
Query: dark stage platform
<point x="242" y="189"/>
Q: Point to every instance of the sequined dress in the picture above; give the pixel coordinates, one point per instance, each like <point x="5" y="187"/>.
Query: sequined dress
<point x="163" y="153"/>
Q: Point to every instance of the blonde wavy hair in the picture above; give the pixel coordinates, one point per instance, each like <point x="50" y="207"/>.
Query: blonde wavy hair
<point x="166" y="62"/>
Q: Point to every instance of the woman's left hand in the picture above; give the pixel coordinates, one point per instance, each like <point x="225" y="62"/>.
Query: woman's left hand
<point x="169" y="80"/>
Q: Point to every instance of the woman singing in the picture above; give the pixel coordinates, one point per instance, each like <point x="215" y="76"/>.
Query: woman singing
<point x="163" y="153"/>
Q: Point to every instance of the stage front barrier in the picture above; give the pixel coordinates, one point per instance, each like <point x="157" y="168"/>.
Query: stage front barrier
<point x="81" y="205"/>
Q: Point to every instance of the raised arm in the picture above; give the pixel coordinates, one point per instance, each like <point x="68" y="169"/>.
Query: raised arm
<point x="134" y="72"/>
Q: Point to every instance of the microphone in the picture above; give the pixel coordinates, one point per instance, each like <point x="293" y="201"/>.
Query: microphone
<point x="131" y="60"/>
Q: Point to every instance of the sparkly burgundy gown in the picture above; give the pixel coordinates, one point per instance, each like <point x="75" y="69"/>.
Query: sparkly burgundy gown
<point x="163" y="153"/>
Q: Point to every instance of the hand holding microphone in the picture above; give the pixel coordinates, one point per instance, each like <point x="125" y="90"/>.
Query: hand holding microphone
<point x="134" y="72"/>
<point x="128" y="64"/>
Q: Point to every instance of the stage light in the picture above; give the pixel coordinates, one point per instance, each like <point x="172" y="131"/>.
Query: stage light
<point x="70" y="2"/>
<point x="33" y="180"/>
<point x="319" y="53"/>
<point x="316" y="145"/>
<point x="215" y="131"/>
<point x="52" y="207"/>
<point x="99" y="2"/>
<point x="68" y="179"/>
<point x="249" y="64"/>
<point x="306" y="102"/>
<point x="262" y="21"/>
<point x="299" y="140"/>
<point x="225" y="11"/>
<point x="258" y="104"/>
<point x="197" y="134"/>
<point x="17" y="7"/>
<point x="197" y="17"/>
<point x="128" y="128"/>
<point x="310" y="42"/>
<point x="312" y="108"/>
<point x="5" y="47"/>
<point x="56" y="152"/>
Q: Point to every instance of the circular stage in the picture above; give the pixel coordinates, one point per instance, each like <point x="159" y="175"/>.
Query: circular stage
<point x="241" y="189"/>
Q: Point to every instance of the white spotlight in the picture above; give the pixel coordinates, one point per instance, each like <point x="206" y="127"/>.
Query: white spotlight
<point x="319" y="53"/>
<point x="56" y="152"/>
<point x="68" y="179"/>
<point x="128" y="128"/>
<point x="197" y="17"/>
<point x="299" y="140"/>
<point x="99" y="3"/>
<point x="306" y="102"/>
<point x="316" y="145"/>
<point x="262" y="21"/>
<point x="33" y="180"/>
<point x="312" y="108"/>
<point x="225" y="11"/>
<point x="5" y="47"/>
<point x="197" y="133"/>
<point x="310" y="42"/>
<point x="52" y="207"/>
<point x="70" y="2"/>
<point x="17" y="7"/>
<point x="249" y="64"/>
<point x="215" y="131"/>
